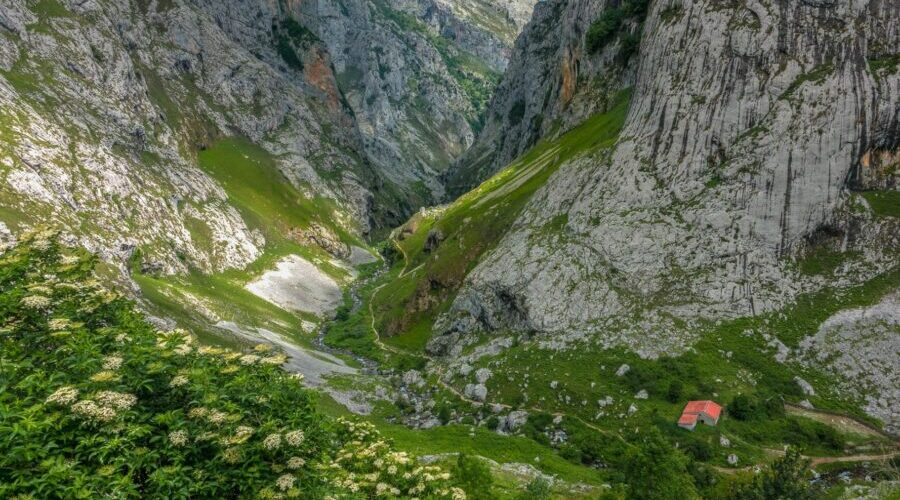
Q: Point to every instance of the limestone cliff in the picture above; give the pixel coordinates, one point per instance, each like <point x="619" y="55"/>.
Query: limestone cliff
<point x="418" y="75"/>
<point x="750" y="124"/>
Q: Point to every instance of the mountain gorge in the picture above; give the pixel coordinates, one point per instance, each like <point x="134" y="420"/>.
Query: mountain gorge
<point x="109" y="107"/>
<point x="527" y="231"/>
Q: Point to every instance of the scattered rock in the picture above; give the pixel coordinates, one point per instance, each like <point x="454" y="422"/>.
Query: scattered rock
<point x="433" y="240"/>
<point x="478" y="392"/>
<point x="623" y="370"/>
<point x="514" y="421"/>
<point x="642" y="394"/>
<point x="805" y="386"/>
<point x="482" y="375"/>
<point x="732" y="459"/>
<point x="413" y="378"/>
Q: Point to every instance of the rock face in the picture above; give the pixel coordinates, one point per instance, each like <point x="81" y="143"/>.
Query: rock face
<point x="418" y="74"/>
<point x="861" y="346"/>
<point x="540" y="94"/>
<point x="748" y="123"/>
<point x="106" y="104"/>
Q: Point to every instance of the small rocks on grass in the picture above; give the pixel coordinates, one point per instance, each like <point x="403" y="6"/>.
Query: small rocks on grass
<point x="478" y="392"/>
<point x="805" y="386"/>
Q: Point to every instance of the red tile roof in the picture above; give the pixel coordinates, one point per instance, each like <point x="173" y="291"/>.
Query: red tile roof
<point x="708" y="407"/>
<point x="687" y="419"/>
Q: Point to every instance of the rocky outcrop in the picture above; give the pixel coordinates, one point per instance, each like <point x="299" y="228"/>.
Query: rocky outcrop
<point x="552" y="84"/>
<point x="860" y="346"/>
<point x="746" y="122"/>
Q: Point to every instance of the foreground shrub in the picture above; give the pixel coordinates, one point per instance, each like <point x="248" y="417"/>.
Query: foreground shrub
<point x="96" y="402"/>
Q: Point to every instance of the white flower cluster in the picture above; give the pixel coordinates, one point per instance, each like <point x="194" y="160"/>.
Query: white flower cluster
<point x="295" y="438"/>
<point x="177" y="336"/>
<point x="57" y="324"/>
<point x="112" y="363"/>
<point x="178" y="381"/>
<point x="92" y="411"/>
<point x="37" y="302"/>
<point x="295" y="463"/>
<point x="272" y="442"/>
<point x="215" y="417"/>
<point x="117" y="400"/>
<point x="285" y="482"/>
<point x="63" y="396"/>
<point x="178" y="438"/>
<point x="366" y="464"/>
<point x="249" y="359"/>
<point x="278" y="359"/>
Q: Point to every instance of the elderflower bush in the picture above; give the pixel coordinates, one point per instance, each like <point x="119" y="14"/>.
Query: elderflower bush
<point x="96" y="403"/>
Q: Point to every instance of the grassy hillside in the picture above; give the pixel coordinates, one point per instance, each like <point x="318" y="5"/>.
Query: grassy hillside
<point x="268" y="202"/>
<point x="95" y="402"/>
<point x="265" y="197"/>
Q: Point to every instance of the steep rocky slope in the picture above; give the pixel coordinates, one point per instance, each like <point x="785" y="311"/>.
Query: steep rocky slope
<point x="551" y="85"/>
<point x="754" y="174"/>
<point x="418" y="75"/>
<point x="733" y="158"/>
<point x="106" y="106"/>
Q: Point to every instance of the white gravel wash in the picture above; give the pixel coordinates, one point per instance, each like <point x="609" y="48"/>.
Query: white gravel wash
<point x="299" y="286"/>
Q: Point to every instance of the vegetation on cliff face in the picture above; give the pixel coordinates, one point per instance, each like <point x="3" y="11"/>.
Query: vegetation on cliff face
<point x="95" y="401"/>
<point x="609" y="25"/>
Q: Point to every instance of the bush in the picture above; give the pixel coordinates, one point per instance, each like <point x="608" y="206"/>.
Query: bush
<point x="474" y="476"/>
<point x="537" y="489"/>
<point x="675" y="392"/>
<point x="571" y="453"/>
<point x="742" y="407"/>
<point x="786" y="478"/>
<point x="95" y="403"/>
<point x="604" y="29"/>
<point x="749" y="407"/>
<point x="655" y="470"/>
